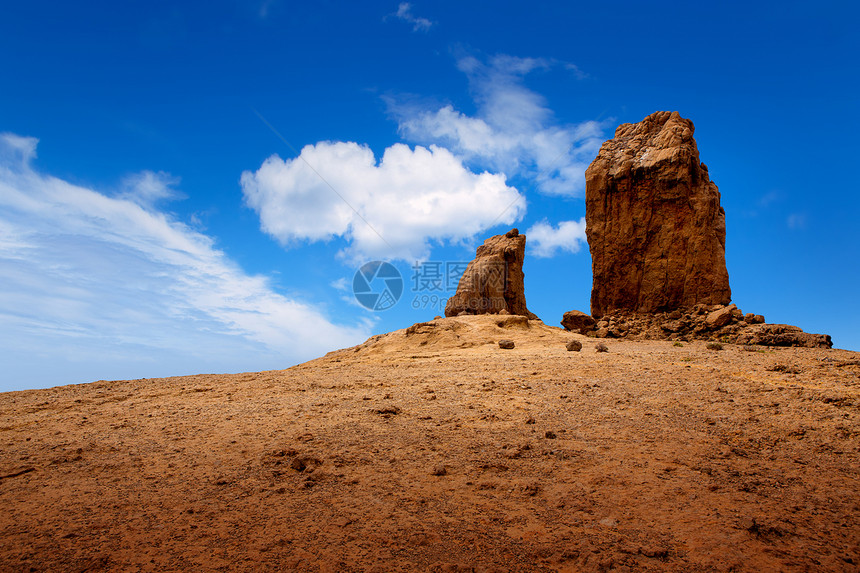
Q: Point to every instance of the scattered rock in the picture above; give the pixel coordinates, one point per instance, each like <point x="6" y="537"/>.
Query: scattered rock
<point x="388" y="411"/>
<point x="578" y="321"/>
<point x="550" y="435"/>
<point x="439" y="470"/>
<point x="506" y="344"/>
<point x="600" y="347"/>
<point x="574" y="346"/>
<point x="655" y="227"/>
<point x="493" y="281"/>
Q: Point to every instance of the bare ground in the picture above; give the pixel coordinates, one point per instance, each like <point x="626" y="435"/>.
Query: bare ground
<point x="435" y="450"/>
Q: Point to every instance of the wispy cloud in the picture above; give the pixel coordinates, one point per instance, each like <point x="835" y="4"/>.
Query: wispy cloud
<point x="769" y="199"/>
<point x="513" y="130"/>
<point x="404" y="12"/>
<point x="149" y="188"/>
<point x="796" y="221"/>
<point x="391" y="209"/>
<point x="112" y="287"/>
<point x="265" y="6"/>
<point x="546" y="240"/>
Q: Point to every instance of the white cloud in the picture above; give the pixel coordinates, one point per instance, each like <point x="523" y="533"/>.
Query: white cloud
<point x="513" y="130"/>
<point x="404" y="12"/>
<point x="545" y="240"/>
<point x="386" y="210"/>
<point x="102" y="287"/>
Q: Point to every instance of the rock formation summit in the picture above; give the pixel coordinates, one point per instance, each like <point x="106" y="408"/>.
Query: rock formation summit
<point x="493" y="281"/>
<point x="655" y="228"/>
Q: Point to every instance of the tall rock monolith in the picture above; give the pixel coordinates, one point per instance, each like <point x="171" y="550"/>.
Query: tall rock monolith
<point x="493" y="281"/>
<point x="655" y="228"/>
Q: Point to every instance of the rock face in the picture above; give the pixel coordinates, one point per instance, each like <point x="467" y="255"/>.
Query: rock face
<point x="493" y="281"/>
<point x="655" y="227"/>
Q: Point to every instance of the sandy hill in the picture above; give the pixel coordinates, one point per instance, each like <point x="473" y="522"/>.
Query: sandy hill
<point x="432" y="449"/>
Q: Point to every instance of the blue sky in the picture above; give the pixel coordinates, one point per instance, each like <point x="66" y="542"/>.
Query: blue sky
<point x="191" y="187"/>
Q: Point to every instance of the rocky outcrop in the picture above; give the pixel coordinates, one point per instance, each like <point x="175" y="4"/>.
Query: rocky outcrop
<point x="703" y="322"/>
<point x="783" y="335"/>
<point x="654" y="224"/>
<point x="493" y="281"/>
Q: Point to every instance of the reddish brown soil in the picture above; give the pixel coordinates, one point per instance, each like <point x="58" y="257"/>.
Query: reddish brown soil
<point x="438" y="451"/>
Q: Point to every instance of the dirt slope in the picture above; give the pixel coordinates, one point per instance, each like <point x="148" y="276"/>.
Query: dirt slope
<point x="432" y="449"/>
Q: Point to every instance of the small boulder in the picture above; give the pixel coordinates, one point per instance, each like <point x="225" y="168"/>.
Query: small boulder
<point x="506" y="344"/>
<point x="600" y="347"/>
<point x="574" y="346"/>
<point x="577" y="321"/>
<point x="720" y="317"/>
